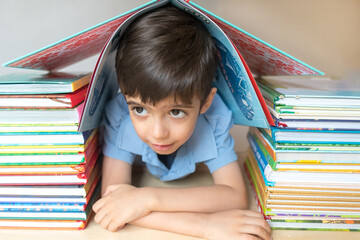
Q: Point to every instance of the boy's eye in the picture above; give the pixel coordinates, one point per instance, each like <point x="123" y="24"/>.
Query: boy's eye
<point x="176" y="113"/>
<point x="140" y="111"/>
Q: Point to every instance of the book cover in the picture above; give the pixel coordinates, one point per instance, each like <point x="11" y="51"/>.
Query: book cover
<point x="61" y="179"/>
<point x="17" y="151"/>
<point x="36" y="116"/>
<point x="319" y="225"/>
<point x="51" y="193"/>
<point x="49" y="168"/>
<point x="298" y="193"/>
<point x="30" y="101"/>
<point x="317" y="124"/>
<point x="28" y="128"/>
<point x="340" y="156"/>
<point x="309" y="146"/>
<point x="289" y="203"/>
<point x="50" y="220"/>
<point x="39" y="83"/>
<point x="313" y="136"/>
<point x="54" y="215"/>
<point x="44" y="138"/>
<point x="41" y="207"/>
<point x="310" y="91"/>
<point x="43" y="224"/>
<point x="293" y="178"/>
<point x="246" y="102"/>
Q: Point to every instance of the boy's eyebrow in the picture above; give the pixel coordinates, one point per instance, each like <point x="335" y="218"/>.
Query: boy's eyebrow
<point x="181" y="106"/>
<point x="133" y="103"/>
<point x="171" y="106"/>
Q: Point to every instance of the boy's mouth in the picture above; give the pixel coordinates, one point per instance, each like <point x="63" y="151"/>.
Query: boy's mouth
<point x="162" y="148"/>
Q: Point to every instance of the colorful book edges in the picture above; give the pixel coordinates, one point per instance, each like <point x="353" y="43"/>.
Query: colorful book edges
<point x="305" y="207"/>
<point x="307" y="91"/>
<point x="303" y="177"/>
<point x="48" y="154"/>
<point x="317" y="156"/>
<point x="323" y="100"/>
<point x="66" y="218"/>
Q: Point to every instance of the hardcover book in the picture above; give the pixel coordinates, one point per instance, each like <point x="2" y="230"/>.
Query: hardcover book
<point x="36" y="83"/>
<point x="30" y="101"/>
<point x="242" y="55"/>
<point x="311" y="91"/>
<point x="40" y="117"/>
<point x="313" y="136"/>
<point x="303" y="164"/>
<point x="303" y="178"/>
<point x="317" y="124"/>
<point x="41" y="179"/>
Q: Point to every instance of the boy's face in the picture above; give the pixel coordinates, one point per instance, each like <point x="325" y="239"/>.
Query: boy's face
<point x="168" y="124"/>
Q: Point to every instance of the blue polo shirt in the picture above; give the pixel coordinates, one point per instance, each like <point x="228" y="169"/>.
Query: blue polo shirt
<point x="210" y="142"/>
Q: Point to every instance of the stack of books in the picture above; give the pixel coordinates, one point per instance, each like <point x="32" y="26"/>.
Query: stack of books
<point x="234" y="81"/>
<point x="49" y="172"/>
<point x="306" y="169"/>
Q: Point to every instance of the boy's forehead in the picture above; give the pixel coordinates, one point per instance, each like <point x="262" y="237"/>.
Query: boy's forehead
<point x="169" y="101"/>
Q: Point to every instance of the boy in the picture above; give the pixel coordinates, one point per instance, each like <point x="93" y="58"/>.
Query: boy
<point x="169" y="114"/>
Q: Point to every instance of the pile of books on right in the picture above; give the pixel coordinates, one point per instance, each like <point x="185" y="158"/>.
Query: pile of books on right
<point x="306" y="170"/>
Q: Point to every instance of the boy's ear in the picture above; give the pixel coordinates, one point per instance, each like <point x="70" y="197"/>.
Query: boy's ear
<point x="208" y="101"/>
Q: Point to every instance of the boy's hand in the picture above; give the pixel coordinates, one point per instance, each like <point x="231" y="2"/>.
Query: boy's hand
<point x="236" y="224"/>
<point x="121" y="204"/>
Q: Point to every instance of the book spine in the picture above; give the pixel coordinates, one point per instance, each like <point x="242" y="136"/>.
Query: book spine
<point x="261" y="153"/>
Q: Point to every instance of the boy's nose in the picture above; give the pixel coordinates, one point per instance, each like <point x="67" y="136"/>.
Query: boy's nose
<point x="159" y="129"/>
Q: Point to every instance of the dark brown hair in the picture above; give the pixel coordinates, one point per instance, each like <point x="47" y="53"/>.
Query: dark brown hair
<point x="166" y="52"/>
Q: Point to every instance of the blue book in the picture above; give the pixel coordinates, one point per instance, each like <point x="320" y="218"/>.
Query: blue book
<point x="301" y="178"/>
<point x="313" y="136"/>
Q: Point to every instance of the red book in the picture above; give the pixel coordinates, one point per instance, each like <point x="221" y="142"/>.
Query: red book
<point x="23" y="101"/>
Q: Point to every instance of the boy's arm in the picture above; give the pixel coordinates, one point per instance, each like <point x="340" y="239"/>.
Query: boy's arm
<point x="119" y="200"/>
<point x="232" y="224"/>
<point x="228" y="192"/>
<point x="125" y="203"/>
<point x="114" y="172"/>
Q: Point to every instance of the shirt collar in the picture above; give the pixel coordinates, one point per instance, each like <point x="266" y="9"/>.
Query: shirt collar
<point x="200" y="147"/>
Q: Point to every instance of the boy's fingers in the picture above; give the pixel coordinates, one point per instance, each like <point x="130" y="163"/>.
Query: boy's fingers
<point x="105" y="222"/>
<point x="99" y="216"/>
<point x="255" y="230"/>
<point x="249" y="237"/>
<point x="113" y="226"/>
<point x="258" y="222"/>
<point x="98" y="204"/>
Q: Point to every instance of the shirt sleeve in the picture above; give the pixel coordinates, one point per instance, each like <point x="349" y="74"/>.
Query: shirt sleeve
<point x="115" y="112"/>
<point x="221" y="121"/>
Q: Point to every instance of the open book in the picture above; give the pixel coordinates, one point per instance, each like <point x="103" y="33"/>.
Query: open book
<point x="235" y="81"/>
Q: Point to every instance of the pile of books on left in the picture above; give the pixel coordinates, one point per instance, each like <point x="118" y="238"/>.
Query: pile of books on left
<point x="49" y="172"/>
